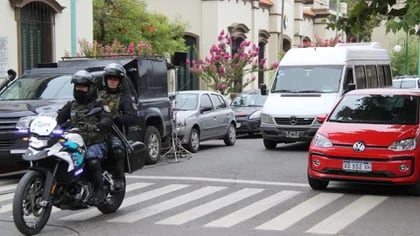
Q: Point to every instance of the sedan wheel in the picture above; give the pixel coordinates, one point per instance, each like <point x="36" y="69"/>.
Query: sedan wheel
<point x="230" y="137"/>
<point x="193" y="144"/>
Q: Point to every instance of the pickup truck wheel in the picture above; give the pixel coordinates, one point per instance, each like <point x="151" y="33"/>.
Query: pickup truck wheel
<point x="152" y="141"/>
<point x="230" y="137"/>
<point x="269" y="144"/>
<point x="193" y="144"/>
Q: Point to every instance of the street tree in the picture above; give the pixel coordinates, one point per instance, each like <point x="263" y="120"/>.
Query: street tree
<point x="402" y="16"/>
<point x="128" y="21"/>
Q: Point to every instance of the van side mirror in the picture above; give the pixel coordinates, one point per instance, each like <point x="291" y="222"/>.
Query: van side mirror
<point x="263" y="89"/>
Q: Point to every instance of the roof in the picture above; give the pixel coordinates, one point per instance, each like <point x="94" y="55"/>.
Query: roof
<point x="266" y="2"/>
<point x="309" y="12"/>
<point x="385" y="91"/>
<point x="337" y="55"/>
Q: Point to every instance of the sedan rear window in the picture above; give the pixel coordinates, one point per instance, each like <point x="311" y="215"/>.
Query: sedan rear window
<point x="40" y="87"/>
<point x="377" y="109"/>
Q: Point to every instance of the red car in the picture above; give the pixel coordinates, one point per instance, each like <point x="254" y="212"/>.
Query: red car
<point x="370" y="136"/>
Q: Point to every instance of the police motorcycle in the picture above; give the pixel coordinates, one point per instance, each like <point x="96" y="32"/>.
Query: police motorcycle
<point x="57" y="175"/>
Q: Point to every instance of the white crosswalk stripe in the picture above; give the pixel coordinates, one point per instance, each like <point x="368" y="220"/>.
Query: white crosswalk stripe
<point x="193" y="203"/>
<point x="93" y="212"/>
<point x="209" y="207"/>
<point x="299" y="212"/>
<point x="166" y="205"/>
<point x="344" y="217"/>
<point x="253" y="209"/>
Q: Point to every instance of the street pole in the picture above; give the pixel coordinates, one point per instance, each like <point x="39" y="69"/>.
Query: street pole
<point x="281" y="25"/>
<point x="406" y="54"/>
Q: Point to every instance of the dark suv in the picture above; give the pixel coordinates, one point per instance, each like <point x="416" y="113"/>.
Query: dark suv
<point x="47" y="89"/>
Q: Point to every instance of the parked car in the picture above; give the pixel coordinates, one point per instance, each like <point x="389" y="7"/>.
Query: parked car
<point x="247" y="107"/>
<point x="370" y="136"/>
<point x="202" y="115"/>
<point x="411" y="82"/>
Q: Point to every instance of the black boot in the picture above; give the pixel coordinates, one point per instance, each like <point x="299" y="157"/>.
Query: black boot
<point x="118" y="173"/>
<point x="95" y="173"/>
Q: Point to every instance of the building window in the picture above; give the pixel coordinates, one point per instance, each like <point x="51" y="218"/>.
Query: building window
<point x="36" y="34"/>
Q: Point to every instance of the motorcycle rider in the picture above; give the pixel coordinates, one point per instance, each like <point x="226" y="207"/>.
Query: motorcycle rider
<point x="92" y="128"/>
<point x="124" y="113"/>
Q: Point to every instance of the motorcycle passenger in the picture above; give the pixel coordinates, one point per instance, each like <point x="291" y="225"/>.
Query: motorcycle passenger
<point x="92" y="128"/>
<point x="123" y="111"/>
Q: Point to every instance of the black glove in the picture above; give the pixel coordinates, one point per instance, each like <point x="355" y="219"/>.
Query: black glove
<point x="118" y="119"/>
<point x="105" y="124"/>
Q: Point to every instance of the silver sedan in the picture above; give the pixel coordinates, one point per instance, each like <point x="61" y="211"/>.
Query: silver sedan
<point x="202" y="115"/>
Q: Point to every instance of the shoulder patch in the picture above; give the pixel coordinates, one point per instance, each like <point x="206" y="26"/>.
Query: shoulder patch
<point x="107" y="108"/>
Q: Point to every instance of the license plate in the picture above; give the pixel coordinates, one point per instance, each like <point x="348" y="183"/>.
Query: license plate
<point x="357" y="166"/>
<point x="238" y="125"/>
<point x="292" y="134"/>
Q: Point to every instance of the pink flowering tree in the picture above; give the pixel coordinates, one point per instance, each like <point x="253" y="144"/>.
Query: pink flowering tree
<point x="223" y="71"/>
<point x="88" y="49"/>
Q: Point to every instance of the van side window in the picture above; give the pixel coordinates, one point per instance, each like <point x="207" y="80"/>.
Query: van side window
<point x="388" y="76"/>
<point x="360" y="77"/>
<point x="381" y="75"/>
<point x="371" y="76"/>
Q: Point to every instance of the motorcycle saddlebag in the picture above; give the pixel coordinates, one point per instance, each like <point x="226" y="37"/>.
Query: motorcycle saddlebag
<point x="136" y="159"/>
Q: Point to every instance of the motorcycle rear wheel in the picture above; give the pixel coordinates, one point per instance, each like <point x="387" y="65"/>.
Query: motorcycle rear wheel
<point x="29" y="216"/>
<point x="113" y="201"/>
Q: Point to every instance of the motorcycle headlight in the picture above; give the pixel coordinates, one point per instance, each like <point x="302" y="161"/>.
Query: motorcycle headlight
<point x="23" y="122"/>
<point x="266" y="119"/>
<point x="255" y="115"/>
<point x="37" y="143"/>
<point x="321" y="141"/>
<point x="403" y="145"/>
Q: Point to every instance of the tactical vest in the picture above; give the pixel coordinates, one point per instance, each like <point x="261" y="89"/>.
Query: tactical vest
<point x="112" y="100"/>
<point x="78" y="111"/>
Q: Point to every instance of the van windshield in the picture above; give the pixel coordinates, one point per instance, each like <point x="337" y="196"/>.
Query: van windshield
<point x="307" y="79"/>
<point x="39" y="87"/>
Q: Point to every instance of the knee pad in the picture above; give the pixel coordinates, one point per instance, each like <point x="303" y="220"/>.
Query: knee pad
<point x="119" y="153"/>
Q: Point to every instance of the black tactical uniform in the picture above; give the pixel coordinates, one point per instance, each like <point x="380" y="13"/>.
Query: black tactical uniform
<point x="124" y="113"/>
<point x="92" y="128"/>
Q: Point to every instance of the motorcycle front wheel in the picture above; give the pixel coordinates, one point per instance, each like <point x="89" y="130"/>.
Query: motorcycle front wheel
<point x="113" y="201"/>
<point x="28" y="214"/>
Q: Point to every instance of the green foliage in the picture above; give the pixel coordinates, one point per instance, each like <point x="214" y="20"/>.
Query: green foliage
<point x="398" y="58"/>
<point x="127" y="21"/>
<point x="365" y="15"/>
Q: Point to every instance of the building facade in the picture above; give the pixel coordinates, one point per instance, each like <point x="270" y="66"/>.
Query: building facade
<point x="271" y="24"/>
<point x="41" y="31"/>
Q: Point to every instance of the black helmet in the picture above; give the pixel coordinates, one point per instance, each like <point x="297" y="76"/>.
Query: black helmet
<point x="114" y="70"/>
<point x="83" y="77"/>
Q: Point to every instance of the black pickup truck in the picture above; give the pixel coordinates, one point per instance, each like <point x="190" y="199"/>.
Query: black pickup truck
<point x="48" y="88"/>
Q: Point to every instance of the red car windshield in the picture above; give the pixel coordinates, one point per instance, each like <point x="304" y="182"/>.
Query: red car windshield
<point x="377" y="109"/>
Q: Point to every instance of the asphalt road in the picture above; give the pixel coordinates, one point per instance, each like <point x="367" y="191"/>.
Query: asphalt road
<point x="238" y="190"/>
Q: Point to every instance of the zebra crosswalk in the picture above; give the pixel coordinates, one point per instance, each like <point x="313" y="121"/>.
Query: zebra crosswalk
<point x="187" y="203"/>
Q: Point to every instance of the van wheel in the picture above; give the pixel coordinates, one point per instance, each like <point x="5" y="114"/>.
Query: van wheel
<point x="269" y="144"/>
<point x="152" y="141"/>
<point x="317" y="184"/>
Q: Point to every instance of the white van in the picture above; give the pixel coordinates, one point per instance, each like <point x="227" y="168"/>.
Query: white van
<point x="309" y="81"/>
